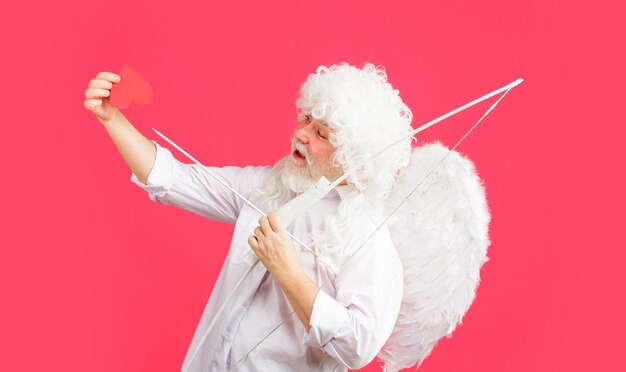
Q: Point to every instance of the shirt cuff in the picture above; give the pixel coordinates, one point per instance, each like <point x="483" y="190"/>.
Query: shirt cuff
<point x="161" y="175"/>
<point x="327" y="318"/>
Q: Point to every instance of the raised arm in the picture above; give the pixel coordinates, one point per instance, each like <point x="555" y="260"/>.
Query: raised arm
<point x="155" y="170"/>
<point x="138" y="151"/>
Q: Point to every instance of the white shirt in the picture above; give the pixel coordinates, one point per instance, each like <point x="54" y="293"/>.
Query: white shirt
<point x="353" y="314"/>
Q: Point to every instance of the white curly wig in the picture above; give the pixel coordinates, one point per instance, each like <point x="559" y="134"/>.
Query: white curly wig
<point x="365" y="113"/>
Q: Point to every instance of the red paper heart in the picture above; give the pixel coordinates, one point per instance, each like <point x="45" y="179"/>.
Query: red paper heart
<point x="131" y="88"/>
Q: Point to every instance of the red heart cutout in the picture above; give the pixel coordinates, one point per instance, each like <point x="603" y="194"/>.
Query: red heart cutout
<point x="131" y="88"/>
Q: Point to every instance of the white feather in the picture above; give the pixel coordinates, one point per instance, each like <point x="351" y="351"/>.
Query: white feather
<point x="441" y="235"/>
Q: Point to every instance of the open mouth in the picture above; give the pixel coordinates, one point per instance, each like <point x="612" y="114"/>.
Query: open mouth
<point x="298" y="155"/>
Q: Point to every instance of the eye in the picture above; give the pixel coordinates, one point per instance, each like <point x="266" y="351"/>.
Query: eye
<point x="319" y="133"/>
<point x="308" y="118"/>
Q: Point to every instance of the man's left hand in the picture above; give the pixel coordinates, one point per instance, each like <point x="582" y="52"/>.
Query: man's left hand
<point x="274" y="247"/>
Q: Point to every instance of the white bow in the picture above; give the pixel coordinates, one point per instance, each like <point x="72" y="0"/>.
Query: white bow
<point x="303" y="202"/>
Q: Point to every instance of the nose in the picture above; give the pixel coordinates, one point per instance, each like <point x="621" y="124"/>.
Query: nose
<point x="302" y="132"/>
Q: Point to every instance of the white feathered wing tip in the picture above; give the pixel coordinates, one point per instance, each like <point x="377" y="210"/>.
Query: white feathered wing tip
<point x="441" y="235"/>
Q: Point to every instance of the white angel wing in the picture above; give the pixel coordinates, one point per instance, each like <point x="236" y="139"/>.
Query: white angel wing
<point x="441" y="235"/>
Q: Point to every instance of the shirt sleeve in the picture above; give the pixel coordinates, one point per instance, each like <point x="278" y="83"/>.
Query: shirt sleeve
<point x="188" y="187"/>
<point x="353" y="326"/>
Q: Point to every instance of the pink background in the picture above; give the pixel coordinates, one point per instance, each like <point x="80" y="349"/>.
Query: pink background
<point x="96" y="277"/>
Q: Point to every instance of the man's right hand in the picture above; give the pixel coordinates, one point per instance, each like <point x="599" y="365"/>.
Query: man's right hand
<point x="138" y="152"/>
<point x="98" y="96"/>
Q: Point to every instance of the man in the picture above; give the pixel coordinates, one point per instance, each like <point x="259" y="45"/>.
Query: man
<point x="344" y="316"/>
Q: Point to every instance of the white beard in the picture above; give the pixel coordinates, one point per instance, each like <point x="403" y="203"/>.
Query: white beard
<point x="295" y="181"/>
<point x="298" y="177"/>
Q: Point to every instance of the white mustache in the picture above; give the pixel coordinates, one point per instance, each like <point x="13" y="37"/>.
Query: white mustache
<point x="295" y="145"/>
